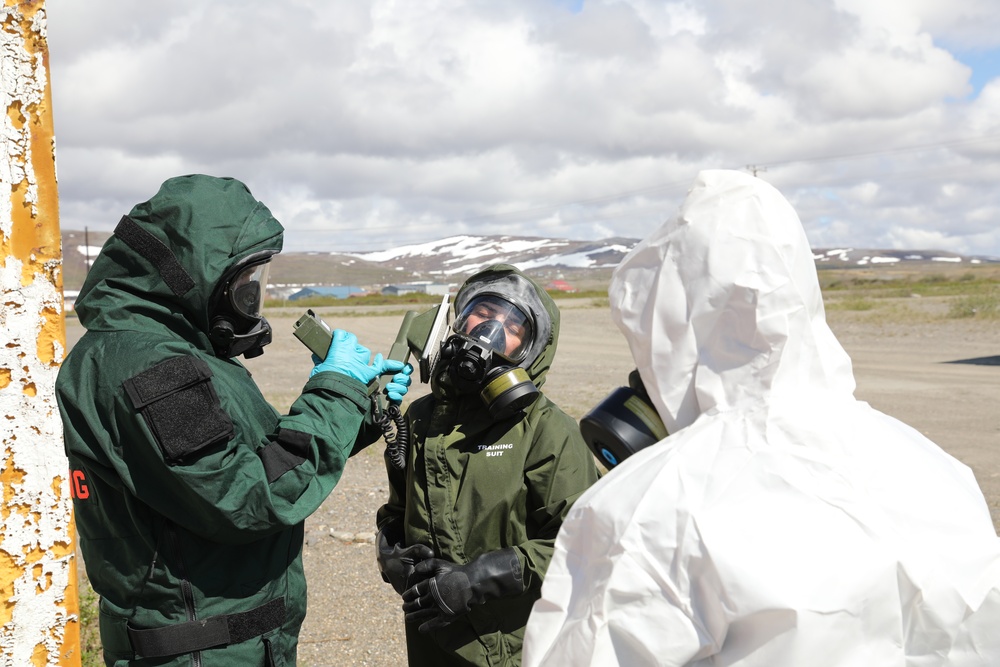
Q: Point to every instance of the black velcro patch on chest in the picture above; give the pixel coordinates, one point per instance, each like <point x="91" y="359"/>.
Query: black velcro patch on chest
<point x="177" y="399"/>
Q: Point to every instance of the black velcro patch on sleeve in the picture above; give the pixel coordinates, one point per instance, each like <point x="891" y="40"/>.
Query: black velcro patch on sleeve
<point x="178" y="401"/>
<point x="287" y="451"/>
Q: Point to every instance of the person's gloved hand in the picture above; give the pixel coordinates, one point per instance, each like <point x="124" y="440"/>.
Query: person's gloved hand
<point x="396" y="562"/>
<point x="449" y="591"/>
<point x="346" y="355"/>
<point x="399" y="385"/>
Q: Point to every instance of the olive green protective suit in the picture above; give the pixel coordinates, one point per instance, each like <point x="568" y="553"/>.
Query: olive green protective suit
<point x="474" y="485"/>
<point x="190" y="490"/>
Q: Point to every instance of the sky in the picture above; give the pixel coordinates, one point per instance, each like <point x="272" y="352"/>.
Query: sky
<point x="369" y="124"/>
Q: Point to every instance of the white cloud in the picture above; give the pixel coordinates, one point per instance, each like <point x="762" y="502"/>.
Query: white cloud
<point x="369" y="124"/>
<point x="972" y="24"/>
<point x="902" y="238"/>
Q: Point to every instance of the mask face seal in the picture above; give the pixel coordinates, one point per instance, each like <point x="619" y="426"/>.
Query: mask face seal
<point x="237" y="326"/>
<point x="622" y="424"/>
<point x="491" y="336"/>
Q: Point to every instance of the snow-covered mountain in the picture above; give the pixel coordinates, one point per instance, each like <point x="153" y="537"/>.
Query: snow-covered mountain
<point x="462" y="255"/>
<point x="452" y="259"/>
<point x="847" y="257"/>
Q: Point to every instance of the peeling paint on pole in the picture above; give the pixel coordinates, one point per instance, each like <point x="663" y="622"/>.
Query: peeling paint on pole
<point x="38" y="623"/>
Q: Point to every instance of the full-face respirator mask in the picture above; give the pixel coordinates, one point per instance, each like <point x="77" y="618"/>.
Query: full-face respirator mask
<point x="622" y="424"/>
<point x="236" y="324"/>
<point x="491" y="338"/>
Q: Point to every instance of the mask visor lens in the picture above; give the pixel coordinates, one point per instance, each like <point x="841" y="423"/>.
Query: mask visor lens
<point x="246" y="291"/>
<point x="517" y="328"/>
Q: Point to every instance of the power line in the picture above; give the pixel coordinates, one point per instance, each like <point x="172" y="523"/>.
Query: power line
<point x="753" y="168"/>
<point x="526" y="211"/>
<point x="893" y="151"/>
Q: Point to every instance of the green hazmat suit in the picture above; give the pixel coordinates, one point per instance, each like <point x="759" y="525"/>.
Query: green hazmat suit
<point x="474" y="485"/>
<point x="190" y="490"/>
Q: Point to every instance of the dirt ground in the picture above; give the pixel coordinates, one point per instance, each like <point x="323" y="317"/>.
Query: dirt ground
<point x="941" y="376"/>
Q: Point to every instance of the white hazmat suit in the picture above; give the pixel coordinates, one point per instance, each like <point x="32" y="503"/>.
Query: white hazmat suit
<point x="782" y="523"/>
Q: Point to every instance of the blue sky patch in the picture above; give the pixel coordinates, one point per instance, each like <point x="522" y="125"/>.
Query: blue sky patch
<point x="985" y="67"/>
<point x="575" y="6"/>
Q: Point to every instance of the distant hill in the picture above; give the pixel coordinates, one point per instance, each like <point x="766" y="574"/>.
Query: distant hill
<point x="587" y="264"/>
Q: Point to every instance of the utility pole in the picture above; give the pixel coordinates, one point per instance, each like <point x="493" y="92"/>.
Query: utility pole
<point x="753" y="169"/>
<point x="39" y="616"/>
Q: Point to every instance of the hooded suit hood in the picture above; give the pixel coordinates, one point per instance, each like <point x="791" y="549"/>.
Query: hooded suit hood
<point x="724" y="312"/>
<point x="168" y="255"/>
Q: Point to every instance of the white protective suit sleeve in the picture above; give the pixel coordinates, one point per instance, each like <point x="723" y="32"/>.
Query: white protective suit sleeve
<point x="782" y="523"/>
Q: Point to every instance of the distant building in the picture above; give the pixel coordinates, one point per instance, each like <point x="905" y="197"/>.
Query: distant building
<point x="417" y="288"/>
<point x="334" y="291"/>
<point x="69" y="299"/>
<point x="560" y="286"/>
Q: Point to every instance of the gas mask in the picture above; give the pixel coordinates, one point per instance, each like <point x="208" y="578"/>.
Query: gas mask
<point x="237" y="326"/>
<point x="491" y="337"/>
<point x="622" y="424"/>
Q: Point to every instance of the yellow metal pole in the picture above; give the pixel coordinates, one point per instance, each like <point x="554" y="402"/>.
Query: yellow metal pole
<point x="38" y="615"/>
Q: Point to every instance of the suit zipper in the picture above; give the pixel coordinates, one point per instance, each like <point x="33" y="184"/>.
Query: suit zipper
<point x="187" y="594"/>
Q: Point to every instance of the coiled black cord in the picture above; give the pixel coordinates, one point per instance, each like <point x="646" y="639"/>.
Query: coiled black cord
<point x="396" y="433"/>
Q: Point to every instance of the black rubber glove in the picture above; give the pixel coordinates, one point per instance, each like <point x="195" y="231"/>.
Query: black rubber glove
<point x="449" y="591"/>
<point x="396" y="562"/>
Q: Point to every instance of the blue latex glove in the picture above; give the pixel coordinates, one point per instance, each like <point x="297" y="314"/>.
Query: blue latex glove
<point x="398" y="386"/>
<point x="346" y="355"/>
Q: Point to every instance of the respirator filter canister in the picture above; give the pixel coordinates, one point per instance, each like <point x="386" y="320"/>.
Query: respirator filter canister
<point x="622" y="424"/>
